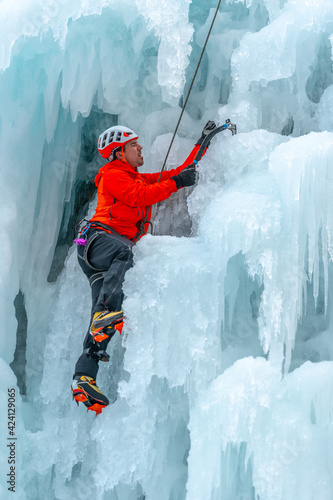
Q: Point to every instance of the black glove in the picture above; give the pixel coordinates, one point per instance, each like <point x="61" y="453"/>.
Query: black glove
<point x="186" y="177"/>
<point x="210" y="125"/>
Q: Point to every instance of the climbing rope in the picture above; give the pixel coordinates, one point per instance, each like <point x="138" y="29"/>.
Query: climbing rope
<point x="144" y="221"/>
<point x="189" y="92"/>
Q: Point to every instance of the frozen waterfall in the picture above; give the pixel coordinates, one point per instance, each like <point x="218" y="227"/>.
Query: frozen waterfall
<point x="222" y="381"/>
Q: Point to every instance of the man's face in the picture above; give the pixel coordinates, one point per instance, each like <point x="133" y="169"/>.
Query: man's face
<point x="132" y="154"/>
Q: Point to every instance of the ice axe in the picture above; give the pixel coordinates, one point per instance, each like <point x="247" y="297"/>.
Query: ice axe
<point x="226" y="126"/>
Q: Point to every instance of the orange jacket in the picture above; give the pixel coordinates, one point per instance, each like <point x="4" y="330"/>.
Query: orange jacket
<point x="125" y="195"/>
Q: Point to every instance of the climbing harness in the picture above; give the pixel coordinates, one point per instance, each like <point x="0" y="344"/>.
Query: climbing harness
<point x="100" y="229"/>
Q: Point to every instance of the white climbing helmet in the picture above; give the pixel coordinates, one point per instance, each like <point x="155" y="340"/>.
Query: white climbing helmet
<point x="114" y="137"/>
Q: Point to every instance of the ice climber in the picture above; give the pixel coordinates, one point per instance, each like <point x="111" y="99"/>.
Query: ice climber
<point x="105" y="244"/>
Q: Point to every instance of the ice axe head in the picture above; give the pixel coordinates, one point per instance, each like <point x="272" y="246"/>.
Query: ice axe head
<point x="231" y="126"/>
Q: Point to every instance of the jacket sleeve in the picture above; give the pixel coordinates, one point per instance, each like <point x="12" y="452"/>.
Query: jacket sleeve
<point x="151" y="178"/>
<point x="135" y="192"/>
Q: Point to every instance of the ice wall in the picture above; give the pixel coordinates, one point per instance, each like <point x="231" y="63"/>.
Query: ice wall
<point x="222" y="380"/>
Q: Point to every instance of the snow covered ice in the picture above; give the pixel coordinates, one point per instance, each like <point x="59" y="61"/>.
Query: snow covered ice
<point x="222" y="382"/>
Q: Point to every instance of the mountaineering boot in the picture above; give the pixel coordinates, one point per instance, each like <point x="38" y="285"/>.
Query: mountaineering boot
<point x="85" y="390"/>
<point x="106" y="333"/>
<point x="105" y="319"/>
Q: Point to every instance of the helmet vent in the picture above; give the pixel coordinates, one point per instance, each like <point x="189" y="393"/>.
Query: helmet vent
<point x="104" y="140"/>
<point x="111" y="136"/>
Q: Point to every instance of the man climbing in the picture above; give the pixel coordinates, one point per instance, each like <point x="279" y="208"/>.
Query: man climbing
<point x="121" y="218"/>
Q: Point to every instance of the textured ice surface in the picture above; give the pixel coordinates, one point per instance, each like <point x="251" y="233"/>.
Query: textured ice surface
<point x="222" y="380"/>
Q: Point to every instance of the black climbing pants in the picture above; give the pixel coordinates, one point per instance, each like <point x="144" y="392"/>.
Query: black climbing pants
<point x="104" y="260"/>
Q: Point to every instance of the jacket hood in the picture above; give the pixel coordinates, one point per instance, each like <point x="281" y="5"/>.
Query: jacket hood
<point x="100" y="173"/>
